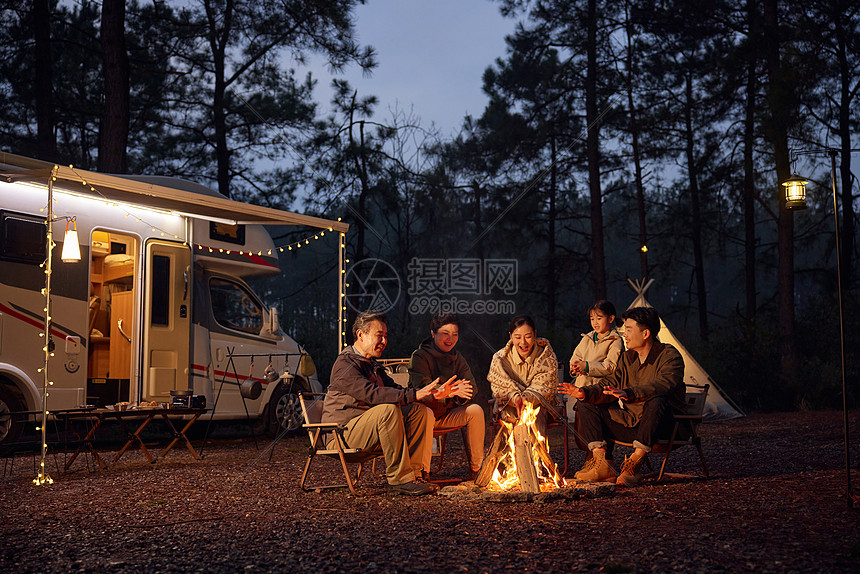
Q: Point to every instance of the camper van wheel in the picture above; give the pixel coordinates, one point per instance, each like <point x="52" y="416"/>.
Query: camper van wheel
<point x="10" y="428"/>
<point x="285" y="411"/>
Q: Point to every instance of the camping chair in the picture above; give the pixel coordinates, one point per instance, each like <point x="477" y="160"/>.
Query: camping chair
<point x="560" y="418"/>
<point x="442" y="438"/>
<point x="684" y="432"/>
<point x="319" y="433"/>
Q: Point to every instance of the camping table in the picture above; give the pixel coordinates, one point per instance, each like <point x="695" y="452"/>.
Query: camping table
<point x="141" y="418"/>
<point x="60" y="437"/>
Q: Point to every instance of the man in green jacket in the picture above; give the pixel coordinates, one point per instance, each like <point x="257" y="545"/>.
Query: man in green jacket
<point x="633" y="404"/>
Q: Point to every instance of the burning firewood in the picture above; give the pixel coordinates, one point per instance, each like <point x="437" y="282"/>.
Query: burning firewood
<point x="519" y="458"/>
<point x="523" y="448"/>
<point x="491" y="460"/>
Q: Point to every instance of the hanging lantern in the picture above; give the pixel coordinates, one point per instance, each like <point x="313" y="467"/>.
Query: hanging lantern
<point x="795" y="192"/>
<point x="71" y="249"/>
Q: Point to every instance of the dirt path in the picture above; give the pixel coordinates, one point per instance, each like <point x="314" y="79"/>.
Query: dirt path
<point x="775" y="502"/>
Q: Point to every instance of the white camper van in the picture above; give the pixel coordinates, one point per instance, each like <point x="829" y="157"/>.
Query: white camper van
<point x="157" y="303"/>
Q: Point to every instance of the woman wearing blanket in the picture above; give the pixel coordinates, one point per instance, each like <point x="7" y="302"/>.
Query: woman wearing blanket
<point x="524" y="371"/>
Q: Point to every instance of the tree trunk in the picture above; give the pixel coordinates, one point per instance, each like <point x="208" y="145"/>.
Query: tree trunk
<point x="113" y="134"/>
<point x="637" y="153"/>
<point x="779" y="100"/>
<point x="593" y="154"/>
<point x="696" y="214"/>
<point x="217" y="43"/>
<point x="46" y="144"/>
<point x="845" y="102"/>
<point x="360" y="160"/>
<point x="749" y="175"/>
<point x="551" y="248"/>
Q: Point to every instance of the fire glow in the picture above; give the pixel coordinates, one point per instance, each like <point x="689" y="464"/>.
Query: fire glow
<point x="524" y="463"/>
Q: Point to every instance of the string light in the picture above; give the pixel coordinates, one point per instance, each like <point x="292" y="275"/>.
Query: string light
<point x="126" y="213"/>
<point x="280" y="248"/>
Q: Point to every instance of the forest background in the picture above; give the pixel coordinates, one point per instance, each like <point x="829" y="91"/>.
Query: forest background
<point x="620" y="140"/>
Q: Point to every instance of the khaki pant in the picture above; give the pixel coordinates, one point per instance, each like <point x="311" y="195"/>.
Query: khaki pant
<point x="401" y="433"/>
<point x="469" y="416"/>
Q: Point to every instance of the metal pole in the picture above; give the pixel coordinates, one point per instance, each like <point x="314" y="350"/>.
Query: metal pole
<point x="832" y="152"/>
<point x="341" y="292"/>
<point x="42" y="477"/>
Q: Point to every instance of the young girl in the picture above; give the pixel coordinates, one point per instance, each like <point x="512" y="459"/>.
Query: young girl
<point x="597" y="353"/>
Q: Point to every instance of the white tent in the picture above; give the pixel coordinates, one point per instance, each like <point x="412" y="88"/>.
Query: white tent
<point x="718" y="406"/>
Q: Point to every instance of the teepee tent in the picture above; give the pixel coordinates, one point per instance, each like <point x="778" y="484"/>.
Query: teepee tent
<point x="718" y="406"/>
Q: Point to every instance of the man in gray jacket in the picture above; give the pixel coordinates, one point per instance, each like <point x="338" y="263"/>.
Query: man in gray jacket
<point x="377" y="412"/>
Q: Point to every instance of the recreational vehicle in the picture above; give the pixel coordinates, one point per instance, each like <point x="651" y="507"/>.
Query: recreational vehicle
<point x="156" y="306"/>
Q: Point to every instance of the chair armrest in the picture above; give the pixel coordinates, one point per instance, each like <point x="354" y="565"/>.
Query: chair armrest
<point x="323" y="425"/>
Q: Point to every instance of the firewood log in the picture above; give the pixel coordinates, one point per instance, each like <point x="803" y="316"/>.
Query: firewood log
<point x="491" y="460"/>
<point x="526" y="470"/>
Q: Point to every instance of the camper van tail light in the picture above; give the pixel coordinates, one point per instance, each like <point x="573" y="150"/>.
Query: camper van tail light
<point x="71" y="249"/>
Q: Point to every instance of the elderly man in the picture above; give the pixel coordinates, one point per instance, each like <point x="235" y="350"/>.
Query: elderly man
<point x="633" y="404"/>
<point x="377" y="412"/>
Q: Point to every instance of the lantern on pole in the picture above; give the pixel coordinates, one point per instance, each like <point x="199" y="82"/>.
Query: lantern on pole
<point x="71" y="248"/>
<point x="795" y="198"/>
<point x="795" y="192"/>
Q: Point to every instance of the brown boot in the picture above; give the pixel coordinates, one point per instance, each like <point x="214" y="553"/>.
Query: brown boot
<point x="597" y="468"/>
<point x="630" y="475"/>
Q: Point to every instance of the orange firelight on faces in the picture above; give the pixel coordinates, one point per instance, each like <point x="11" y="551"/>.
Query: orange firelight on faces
<point x="372" y="342"/>
<point x="446" y="337"/>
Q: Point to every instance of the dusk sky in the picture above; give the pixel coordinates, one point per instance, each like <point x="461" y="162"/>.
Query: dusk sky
<point x="431" y="54"/>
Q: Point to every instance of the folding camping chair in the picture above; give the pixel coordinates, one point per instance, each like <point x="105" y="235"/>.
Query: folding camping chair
<point x="319" y="433"/>
<point x="684" y="432"/>
<point x="442" y="438"/>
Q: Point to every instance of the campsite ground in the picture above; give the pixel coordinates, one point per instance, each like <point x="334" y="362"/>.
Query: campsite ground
<point x="775" y="502"/>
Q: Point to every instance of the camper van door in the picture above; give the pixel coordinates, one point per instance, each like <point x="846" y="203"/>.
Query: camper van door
<point x="166" y="319"/>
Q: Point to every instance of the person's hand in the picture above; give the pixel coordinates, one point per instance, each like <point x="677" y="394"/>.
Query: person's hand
<point x="577" y="367"/>
<point x="571" y="390"/>
<point x="450" y="388"/>
<point x="425" y="392"/>
<point x="463" y="388"/>
<point x="617" y="393"/>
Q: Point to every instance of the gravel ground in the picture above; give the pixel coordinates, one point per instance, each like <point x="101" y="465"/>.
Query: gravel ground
<point x="776" y="501"/>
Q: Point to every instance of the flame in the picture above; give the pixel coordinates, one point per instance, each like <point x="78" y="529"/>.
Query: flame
<point x="507" y="478"/>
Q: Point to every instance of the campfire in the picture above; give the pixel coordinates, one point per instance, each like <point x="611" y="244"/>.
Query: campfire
<point x="519" y="458"/>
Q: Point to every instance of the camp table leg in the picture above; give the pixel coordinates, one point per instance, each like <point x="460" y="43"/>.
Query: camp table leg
<point x="134" y="437"/>
<point x="180" y="435"/>
<point x="86" y="442"/>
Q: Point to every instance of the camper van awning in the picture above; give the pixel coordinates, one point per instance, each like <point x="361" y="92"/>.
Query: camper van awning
<point x="129" y="189"/>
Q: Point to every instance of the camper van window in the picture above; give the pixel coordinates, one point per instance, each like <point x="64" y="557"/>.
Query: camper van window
<point x="160" y="290"/>
<point x="22" y="238"/>
<point x="235" y="308"/>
